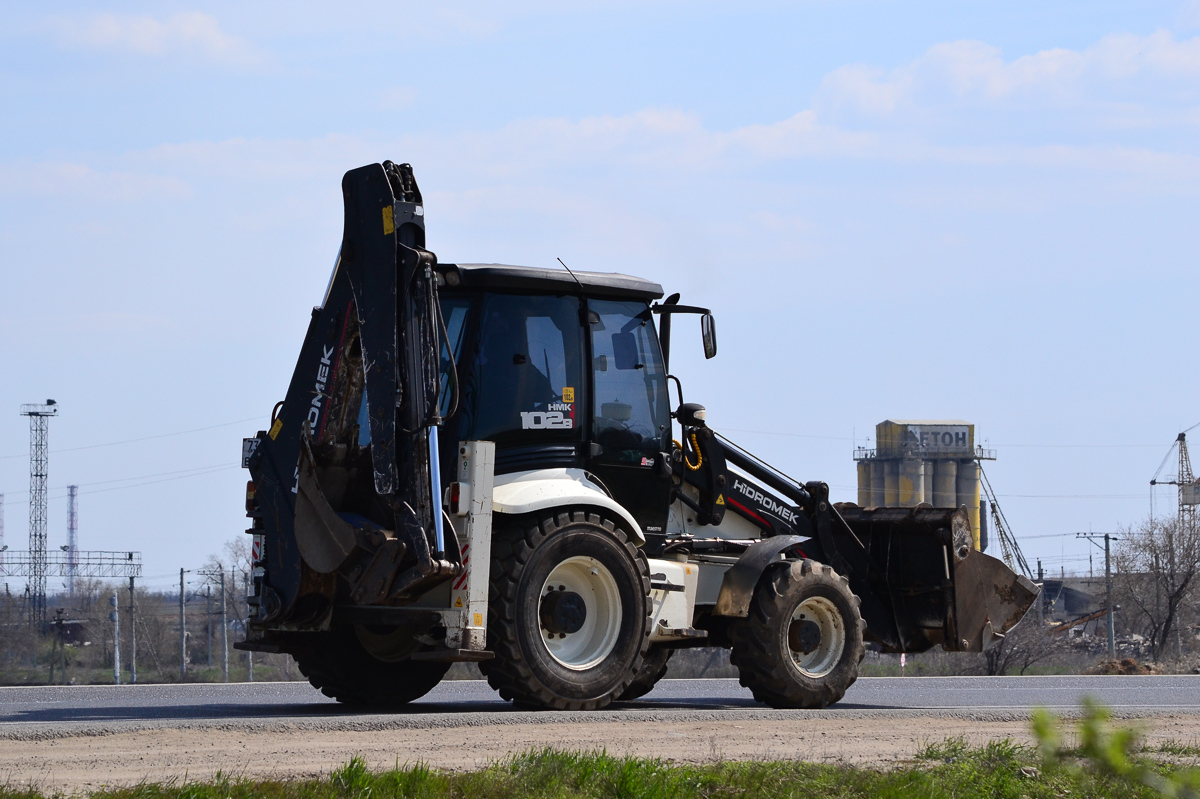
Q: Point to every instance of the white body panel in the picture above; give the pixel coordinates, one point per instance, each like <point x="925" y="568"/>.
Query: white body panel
<point x="466" y="621"/>
<point x="526" y="492"/>
<point x="672" y="613"/>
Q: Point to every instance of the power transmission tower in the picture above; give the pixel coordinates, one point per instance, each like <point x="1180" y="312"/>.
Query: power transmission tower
<point x="39" y="465"/>
<point x="2" y="546"/>
<point x="72" y="537"/>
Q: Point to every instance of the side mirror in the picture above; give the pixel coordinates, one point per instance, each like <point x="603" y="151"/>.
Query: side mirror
<point x="708" y="332"/>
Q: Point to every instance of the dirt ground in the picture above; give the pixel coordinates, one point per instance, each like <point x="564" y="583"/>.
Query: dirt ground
<point x="83" y="763"/>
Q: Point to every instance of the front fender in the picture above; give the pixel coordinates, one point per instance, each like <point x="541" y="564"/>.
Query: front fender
<point x="540" y="489"/>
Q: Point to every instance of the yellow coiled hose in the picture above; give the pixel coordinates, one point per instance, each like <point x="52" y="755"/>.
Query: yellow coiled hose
<point x="699" y="458"/>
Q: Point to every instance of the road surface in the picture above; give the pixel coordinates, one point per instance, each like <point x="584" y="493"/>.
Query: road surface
<point x="71" y="707"/>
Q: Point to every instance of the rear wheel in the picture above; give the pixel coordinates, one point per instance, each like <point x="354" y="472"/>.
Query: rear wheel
<point x="802" y="642"/>
<point x="568" y="612"/>
<point x="369" y="667"/>
<point x="654" y="668"/>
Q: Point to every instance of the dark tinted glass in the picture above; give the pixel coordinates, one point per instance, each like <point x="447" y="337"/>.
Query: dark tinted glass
<point x="527" y="372"/>
<point x="630" y="409"/>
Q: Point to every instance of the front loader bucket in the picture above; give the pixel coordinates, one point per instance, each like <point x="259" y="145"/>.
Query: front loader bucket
<point x="989" y="600"/>
<point x="922" y="583"/>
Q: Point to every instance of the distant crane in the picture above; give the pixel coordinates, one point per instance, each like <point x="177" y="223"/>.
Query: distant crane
<point x="1014" y="558"/>
<point x="1189" y="496"/>
<point x="1185" y="481"/>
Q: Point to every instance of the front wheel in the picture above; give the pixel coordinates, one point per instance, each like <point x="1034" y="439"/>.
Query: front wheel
<point x="568" y="612"/>
<point x="802" y="642"/>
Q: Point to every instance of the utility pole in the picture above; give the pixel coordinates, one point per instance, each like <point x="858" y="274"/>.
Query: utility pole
<point x="1042" y="596"/>
<point x="116" y="620"/>
<point x="39" y="467"/>
<point x="224" y="634"/>
<point x="208" y="620"/>
<point x="72" y="537"/>
<point x="246" y="628"/>
<point x="182" y="633"/>
<point x="1108" y="539"/>
<point x="132" y="636"/>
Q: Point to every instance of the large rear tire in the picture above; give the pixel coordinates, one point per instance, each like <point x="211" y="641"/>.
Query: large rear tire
<point x="341" y="666"/>
<point x="654" y="668"/>
<point x="568" y="615"/>
<point x="802" y="642"/>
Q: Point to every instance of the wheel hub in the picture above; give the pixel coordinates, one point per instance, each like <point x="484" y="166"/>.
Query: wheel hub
<point x="579" y="612"/>
<point x="563" y="612"/>
<point x="804" y="636"/>
<point x="816" y="636"/>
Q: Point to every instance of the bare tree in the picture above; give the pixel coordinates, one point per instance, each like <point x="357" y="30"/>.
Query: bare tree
<point x="1026" y="644"/>
<point x="1156" y="564"/>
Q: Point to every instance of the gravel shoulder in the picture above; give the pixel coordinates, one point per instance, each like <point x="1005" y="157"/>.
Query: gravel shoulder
<point x="78" y="763"/>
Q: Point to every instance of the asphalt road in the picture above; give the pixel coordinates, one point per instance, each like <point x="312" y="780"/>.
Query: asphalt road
<point x="74" y="707"/>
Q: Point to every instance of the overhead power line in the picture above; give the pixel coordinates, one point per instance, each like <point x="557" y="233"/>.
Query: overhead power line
<point x="143" y="438"/>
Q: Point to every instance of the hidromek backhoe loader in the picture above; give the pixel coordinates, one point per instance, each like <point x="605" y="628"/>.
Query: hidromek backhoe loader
<point x="488" y="463"/>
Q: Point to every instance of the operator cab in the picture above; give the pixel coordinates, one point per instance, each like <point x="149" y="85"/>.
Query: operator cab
<point x="560" y="370"/>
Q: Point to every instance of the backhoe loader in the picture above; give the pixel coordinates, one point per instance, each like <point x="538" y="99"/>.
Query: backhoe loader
<point x="491" y="463"/>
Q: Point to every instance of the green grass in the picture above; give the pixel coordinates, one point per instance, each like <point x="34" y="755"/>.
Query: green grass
<point x="947" y="769"/>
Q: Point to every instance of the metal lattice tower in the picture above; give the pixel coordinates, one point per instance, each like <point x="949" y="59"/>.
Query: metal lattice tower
<point x="1187" y="509"/>
<point x="2" y="547"/>
<point x="39" y="466"/>
<point x="72" y="536"/>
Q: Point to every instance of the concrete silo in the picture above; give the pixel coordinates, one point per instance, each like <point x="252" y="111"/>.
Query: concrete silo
<point x="915" y="462"/>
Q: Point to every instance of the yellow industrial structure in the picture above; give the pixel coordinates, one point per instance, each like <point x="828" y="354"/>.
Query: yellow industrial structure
<point x="915" y="462"/>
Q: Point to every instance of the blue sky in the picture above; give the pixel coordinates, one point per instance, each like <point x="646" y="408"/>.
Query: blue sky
<point x="938" y="210"/>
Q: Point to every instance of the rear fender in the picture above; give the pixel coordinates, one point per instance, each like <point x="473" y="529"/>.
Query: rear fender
<point x="540" y="489"/>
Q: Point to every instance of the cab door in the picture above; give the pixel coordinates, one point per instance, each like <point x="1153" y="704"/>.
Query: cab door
<point x="630" y="416"/>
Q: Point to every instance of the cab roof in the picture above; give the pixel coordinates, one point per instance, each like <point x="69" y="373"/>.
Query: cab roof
<point x="553" y="281"/>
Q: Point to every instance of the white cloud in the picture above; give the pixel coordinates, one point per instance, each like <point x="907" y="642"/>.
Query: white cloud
<point x="76" y="180"/>
<point x="398" y="97"/>
<point x="186" y="33"/>
<point x="954" y="71"/>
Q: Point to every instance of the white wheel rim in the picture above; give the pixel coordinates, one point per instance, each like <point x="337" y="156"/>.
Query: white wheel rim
<point x="593" y="641"/>
<point x="822" y="659"/>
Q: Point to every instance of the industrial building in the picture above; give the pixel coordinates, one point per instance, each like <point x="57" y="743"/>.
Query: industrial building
<point x="934" y="462"/>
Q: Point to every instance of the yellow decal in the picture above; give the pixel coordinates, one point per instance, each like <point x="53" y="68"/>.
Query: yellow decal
<point x="458" y="602"/>
<point x="275" y="428"/>
<point x="389" y="224"/>
<point x="720" y="499"/>
<point x="568" y="394"/>
<point x="478" y="618"/>
<point x="687" y="569"/>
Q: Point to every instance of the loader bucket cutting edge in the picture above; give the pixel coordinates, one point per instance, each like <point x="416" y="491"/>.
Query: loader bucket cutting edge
<point x="989" y="600"/>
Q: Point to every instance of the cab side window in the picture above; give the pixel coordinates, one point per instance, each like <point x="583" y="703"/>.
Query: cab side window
<point x="527" y="371"/>
<point x="630" y="411"/>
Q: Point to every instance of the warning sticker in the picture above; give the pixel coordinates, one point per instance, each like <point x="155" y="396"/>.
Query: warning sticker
<point x="568" y="394"/>
<point x="275" y="428"/>
<point x="389" y="222"/>
<point x="478" y="619"/>
<point x="720" y="499"/>
<point x="458" y="602"/>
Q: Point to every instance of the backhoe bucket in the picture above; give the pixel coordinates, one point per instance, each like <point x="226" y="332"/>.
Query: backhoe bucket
<point x="922" y="582"/>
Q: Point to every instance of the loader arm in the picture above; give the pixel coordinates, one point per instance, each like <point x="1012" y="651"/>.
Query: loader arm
<point x="919" y="580"/>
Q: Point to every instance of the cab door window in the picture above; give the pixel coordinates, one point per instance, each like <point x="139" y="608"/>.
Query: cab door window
<point x="630" y="412"/>
<point x="527" y="371"/>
